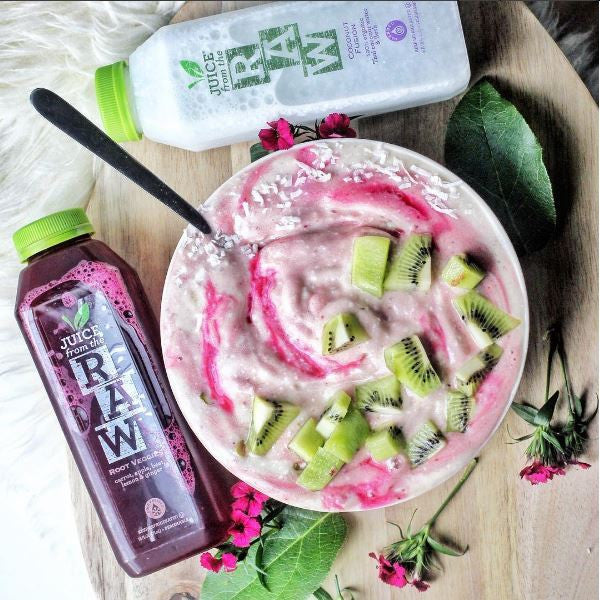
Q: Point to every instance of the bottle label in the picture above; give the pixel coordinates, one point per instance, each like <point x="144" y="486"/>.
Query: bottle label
<point x="87" y="337"/>
<point x="276" y="48"/>
<point x="367" y="36"/>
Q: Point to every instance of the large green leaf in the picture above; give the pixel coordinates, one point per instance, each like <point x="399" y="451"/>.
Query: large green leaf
<point x="491" y="147"/>
<point x="296" y="559"/>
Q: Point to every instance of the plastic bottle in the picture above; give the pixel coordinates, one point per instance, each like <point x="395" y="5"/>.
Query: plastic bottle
<point x="95" y="342"/>
<point x="218" y="80"/>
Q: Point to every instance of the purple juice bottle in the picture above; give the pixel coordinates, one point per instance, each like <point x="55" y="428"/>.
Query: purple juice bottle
<point x="93" y="337"/>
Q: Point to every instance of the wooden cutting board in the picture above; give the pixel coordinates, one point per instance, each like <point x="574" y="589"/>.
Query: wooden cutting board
<point x="525" y="542"/>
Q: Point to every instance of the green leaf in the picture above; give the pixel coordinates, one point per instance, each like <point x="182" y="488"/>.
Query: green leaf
<point x="257" y="151"/>
<point x="258" y="565"/>
<point x="321" y="594"/>
<point x="443" y="549"/>
<point x="544" y="415"/>
<point x="192" y="68"/>
<point x="490" y="145"/>
<point x="68" y="322"/>
<point x="551" y="439"/>
<point x="296" y="559"/>
<point x="527" y="413"/>
<point x="82" y="316"/>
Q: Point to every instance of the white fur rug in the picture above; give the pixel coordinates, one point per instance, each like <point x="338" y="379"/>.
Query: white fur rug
<point x="57" y="45"/>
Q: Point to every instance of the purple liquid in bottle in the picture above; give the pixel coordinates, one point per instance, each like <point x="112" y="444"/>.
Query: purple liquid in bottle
<point x="95" y="342"/>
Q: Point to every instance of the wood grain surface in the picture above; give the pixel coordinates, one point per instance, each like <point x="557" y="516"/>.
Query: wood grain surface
<point x="532" y="543"/>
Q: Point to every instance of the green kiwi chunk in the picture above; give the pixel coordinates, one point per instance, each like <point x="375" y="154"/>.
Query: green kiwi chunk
<point x="382" y="395"/>
<point x="320" y="470"/>
<point x="385" y="443"/>
<point x="307" y="441"/>
<point x="459" y="410"/>
<point x="269" y="420"/>
<point x="472" y="373"/>
<point x="340" y="402"/>
<point x="348" y="436"/>
<point x="342" y="332"/>
<point x="425" y="443"/>
<point x="410" y="364"/>
<point x="410" y="266"/>
<point x="461" y="271"/>
<point x="369" y="260"/>
<point x="486" y="322"/>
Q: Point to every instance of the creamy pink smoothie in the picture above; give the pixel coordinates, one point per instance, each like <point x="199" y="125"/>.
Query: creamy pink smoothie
<point x="243" y="311"/>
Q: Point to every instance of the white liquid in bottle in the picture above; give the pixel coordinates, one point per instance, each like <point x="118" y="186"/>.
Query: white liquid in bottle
<point x="218" y="80"/>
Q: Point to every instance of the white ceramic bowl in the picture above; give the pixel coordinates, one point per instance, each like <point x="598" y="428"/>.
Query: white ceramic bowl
<point x="213" y="433"/>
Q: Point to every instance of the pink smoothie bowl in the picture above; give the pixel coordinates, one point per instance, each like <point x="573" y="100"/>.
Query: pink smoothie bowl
<point x="243" y="312"/>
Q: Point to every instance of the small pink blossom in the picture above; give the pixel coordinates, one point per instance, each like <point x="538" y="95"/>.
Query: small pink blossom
<point x="392" y="574"/>
<point x="243" y="529"/>
<point x="209" y="562"/>
<point x="228" y="561"/>
<point x="279" y="136"/>
<point x="581" y="465"/>
<point x="420" y="585"/>
<point x="247" y="499"/>
<point x="537" y="472"/>
<point x="68" y="299"/>
<point x="336" y="125"/>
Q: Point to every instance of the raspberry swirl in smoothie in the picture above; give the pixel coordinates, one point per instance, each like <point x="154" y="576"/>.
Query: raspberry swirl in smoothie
<point x="244" y="313"/>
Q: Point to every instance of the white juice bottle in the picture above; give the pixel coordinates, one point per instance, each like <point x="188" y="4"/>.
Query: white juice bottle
<point x="218" y="80"/>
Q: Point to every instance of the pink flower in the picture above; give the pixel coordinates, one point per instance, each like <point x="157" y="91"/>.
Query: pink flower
<point x="68" y="299"/>
<point x="214" y="564"/>
<point x="336" y="125"/>
<point x="229" y="561"/>
<point x="580" y="464"/>
<point x="537" y="472"/>
<point x="247" y="499"/>
<point x="278" y="137"/>
<point x="243" y="529"/>
<point x="420" y="585"/>
<point x="392" y="574"/>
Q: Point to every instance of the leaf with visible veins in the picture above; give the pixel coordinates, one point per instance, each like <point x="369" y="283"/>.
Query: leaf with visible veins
<point x="490" y="145"/>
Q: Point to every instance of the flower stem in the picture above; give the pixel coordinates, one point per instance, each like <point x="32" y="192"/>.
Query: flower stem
<point x="563" y="368"/>
<point x="453" y="493"/>
<point x="549" y="370"/>
<point x="273" y="514"/>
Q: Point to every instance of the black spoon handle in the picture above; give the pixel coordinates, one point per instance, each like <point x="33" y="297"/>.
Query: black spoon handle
<point x="69" y="120"/>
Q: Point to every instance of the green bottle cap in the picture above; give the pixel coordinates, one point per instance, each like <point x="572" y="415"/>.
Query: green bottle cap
<point x="51" y="230"/>
<point x="111" y="96"/>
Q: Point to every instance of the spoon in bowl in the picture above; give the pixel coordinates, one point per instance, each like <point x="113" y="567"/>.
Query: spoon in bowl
<point x="69" y="120"/>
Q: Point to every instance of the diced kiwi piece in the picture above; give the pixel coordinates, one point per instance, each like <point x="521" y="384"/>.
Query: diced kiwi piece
<point x="307" y="441"/>
<point x="485" y="321"/>
<point x="461" y="271"/>
<point x="382" y="395"/>
<point x="340" y="402"/>
<point x="320" y="470"/>
<point x="269" y="420"/>
<point x="425" y="443"/>
<point x="369" y="260"/>
<point x="471" y="374"/>
<point x="410" y="266"/>
<point x="410" y="364"/>
<point x="348" y="436"/>
<point x="459" y="409"/>
<point x="385" y="443"/>
<point x="342" y="332"/>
